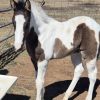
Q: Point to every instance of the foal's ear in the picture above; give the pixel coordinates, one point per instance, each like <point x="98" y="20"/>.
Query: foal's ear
<point x="42" y="3"/>
<point x="13" y="4"/>
<point x="28" y="5"/>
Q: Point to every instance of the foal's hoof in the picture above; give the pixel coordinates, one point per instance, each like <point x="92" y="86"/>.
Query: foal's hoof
<point x="65" y="98"/>
<point x="89" y="97"/>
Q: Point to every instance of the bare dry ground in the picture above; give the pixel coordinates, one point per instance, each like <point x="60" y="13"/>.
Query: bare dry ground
<point x="58" y="78"/>
<point x="60" y="72"/>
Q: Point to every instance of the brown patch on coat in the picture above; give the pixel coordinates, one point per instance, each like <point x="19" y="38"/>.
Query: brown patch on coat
<point x="85" y="38"/>
<point x="39" y="52"/>
<point x="78" y="36"/>
<point x="34" y="47"/>
<point x="60" y="50"/>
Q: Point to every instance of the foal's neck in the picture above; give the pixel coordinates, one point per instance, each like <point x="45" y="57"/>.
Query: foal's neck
<point x="38" y="17"/>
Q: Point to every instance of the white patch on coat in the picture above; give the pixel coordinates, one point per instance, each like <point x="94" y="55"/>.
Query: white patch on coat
<point x="38" y="17"/>
<point x="19" y="31"/>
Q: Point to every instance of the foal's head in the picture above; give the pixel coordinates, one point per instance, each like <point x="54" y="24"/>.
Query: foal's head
<point x="21" y="20"/>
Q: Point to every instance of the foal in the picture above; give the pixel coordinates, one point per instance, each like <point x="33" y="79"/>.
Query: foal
<point x="47" y="38"/>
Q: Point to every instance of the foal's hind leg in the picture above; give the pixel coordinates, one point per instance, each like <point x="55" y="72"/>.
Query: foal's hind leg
<point x="92" y="73"/>
<point x="76" y="60"/>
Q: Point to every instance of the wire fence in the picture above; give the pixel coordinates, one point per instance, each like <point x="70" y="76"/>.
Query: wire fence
<point x="5" y="10"/>
<point x="6" y="25"/>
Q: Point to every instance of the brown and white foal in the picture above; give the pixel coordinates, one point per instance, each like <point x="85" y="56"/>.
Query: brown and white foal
<point x="47" y="38"/>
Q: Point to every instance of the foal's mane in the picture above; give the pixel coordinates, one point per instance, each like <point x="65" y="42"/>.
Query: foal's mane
<point x="37" y="9"/>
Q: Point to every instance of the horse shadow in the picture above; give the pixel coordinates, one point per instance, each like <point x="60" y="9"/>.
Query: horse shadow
<point x="4" y="72"/>
<point x="57" y="88"/>
<point x="15" y="97"/>
<point x="9" y="55"/>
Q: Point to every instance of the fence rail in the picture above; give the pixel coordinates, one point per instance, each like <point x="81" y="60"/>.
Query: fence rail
<point x="5" y="10"/>
<point x="10" y="54"/>
<point x="6" y="25"/>
<point x="6" y="38"/>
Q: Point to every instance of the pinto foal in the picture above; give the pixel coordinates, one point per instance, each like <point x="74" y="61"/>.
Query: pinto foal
<point x="47" y="38"/>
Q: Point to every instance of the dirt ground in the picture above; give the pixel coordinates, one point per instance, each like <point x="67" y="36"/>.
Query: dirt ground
<point x="58" y="78"/>
<point x="60" y="72"/>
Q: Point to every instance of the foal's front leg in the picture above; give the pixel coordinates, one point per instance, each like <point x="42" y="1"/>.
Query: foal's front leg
<point x="40" y="79"/>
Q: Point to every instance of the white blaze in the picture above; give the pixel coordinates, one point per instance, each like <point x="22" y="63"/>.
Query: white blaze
<point x="19" y="32"/>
